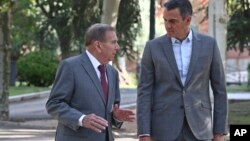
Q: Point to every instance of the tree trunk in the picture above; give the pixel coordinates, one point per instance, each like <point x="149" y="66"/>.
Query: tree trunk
<point x="5" y="48"/>
<point x="217" y="28"/>
<point x="65" y="46"/>
<point x="217" y="25"/>
<point x="110" y="12"/>
<point x="65" y="36"/>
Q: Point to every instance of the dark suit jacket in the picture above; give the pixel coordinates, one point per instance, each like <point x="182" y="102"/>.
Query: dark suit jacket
<point x="77" y="91"/>
<point x="163" y="100"/>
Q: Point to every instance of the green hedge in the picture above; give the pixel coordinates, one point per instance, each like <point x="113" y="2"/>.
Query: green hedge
<point x="37" y="68"/>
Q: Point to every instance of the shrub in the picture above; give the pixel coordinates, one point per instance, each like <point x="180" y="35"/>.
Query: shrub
<point x="37" y="68"/>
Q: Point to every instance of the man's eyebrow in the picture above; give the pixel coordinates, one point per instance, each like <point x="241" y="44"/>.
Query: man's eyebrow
<point x="169" y="19"/>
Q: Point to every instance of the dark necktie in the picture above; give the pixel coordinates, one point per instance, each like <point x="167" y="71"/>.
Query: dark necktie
<point x="103" y="81"/>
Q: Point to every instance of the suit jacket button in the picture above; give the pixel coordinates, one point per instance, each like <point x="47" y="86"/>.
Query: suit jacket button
<point x="182" y="107"/>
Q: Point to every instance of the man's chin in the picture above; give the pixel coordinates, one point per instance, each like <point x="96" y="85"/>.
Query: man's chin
<point x="111" y="59"/>
<point x="171" y="34"/>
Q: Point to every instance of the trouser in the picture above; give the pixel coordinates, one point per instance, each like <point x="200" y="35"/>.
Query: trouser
<point x="107" y="135"/>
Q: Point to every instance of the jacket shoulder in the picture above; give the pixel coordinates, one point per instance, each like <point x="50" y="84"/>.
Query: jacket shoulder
<point x="203" y="36"/>
<point x="111" y="68"/>
<point x="73" y="58"/>
<point x="158" y="39"/>
<point x="158" y="42"/>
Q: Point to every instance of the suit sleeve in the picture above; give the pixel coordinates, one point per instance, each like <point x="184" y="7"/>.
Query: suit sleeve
<point x="115" y="122"/>
<point x="58" y="103"/>
<point x="144" y="96"/>
<point x="218" y="84"/>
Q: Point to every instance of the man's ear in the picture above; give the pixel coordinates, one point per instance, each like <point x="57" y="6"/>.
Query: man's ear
<point x="97" y="46"/>
<point x="189" y="18"/>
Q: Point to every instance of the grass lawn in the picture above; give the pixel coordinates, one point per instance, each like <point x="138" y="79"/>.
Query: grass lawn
<point x="17" y="90"/>
<point x="238" y="88"/>
<point x="239" y="112"/>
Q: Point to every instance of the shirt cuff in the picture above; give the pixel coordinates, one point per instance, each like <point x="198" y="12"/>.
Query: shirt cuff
<point x="80" y="120"/>
<point x="144" y="135"/>
<point x="117" y="119"/>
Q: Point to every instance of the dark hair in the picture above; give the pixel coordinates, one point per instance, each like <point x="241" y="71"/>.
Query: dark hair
<point x="97" y="32"/>
<point x="184" y="6"/>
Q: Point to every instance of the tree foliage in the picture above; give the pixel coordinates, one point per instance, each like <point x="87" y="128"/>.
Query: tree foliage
<point x="28" y="32"/>
<point x="5" y="5"/>
<point x="128" y="27"/>
<point x="70" y="19"/>
<point x="238" y="25"/>
<point x="24" y="27"/>
<point x="62" y="23"/>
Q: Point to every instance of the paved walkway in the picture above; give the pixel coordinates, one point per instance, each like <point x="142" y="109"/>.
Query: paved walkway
<point x="239" y="96"/>
<point x="44" y="130"/>
<point x="26" y="134"/>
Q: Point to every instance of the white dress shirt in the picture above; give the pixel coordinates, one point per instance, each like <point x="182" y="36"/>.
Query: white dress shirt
<point x="182" y="53"/>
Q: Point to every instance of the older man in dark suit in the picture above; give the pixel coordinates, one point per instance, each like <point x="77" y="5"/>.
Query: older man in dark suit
<point x="85" y="96"/>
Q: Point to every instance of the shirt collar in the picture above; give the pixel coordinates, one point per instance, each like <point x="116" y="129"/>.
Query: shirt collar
<point x="93" y="60"/>
<point x="188" y="39"/>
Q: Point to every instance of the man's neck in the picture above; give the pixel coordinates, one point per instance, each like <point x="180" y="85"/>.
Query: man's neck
<point x="184" y="37"/>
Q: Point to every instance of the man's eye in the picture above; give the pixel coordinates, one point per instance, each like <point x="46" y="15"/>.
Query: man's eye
<point x="172" y="21"/>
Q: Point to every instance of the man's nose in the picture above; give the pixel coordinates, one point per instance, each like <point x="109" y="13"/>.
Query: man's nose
<point x="117" y="47"/>
<point x="168" y="26"/>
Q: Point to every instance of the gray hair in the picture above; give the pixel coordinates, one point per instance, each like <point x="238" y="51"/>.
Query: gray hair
<point x="97" y="32"/>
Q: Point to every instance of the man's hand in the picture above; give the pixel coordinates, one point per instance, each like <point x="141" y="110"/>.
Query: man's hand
<point x="218" y="137"/>
<point x="123" y="114"/>
<point x="94" y="122"/>
<point x="145" y="138"/>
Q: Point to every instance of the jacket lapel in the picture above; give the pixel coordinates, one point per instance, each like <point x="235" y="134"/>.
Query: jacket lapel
<point x="110" y="82"/>
<point x="196" y="48"/>
<point x="168" y="51"/>
<point x="92" y="74"/>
